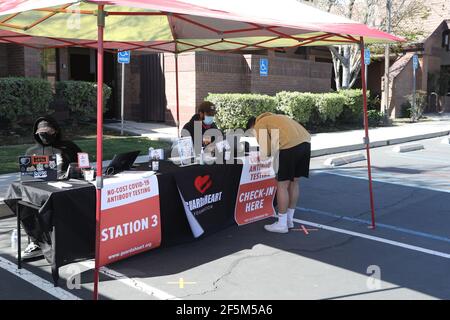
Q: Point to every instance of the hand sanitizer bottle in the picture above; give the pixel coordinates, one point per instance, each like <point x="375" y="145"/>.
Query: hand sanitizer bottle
<point x="202" y="155"/>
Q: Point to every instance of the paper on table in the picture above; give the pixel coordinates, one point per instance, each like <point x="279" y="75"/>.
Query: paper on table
<point x="59" y="185"/>
<point x="143" y="174"/>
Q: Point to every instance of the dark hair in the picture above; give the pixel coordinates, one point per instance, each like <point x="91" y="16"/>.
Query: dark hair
<point x="206" y="107"/>
<point x="250" y="123"/>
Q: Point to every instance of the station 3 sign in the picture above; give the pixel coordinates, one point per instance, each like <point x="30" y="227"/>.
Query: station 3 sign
<point x="130" y="221"/>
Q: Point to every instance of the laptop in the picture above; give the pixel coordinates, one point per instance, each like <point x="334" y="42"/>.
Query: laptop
<point x="121" y="162"/>
<point x="41" y="167"/>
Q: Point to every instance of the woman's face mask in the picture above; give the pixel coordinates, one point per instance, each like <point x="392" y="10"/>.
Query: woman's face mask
<point x="47" y="138"/>
<point x="209" y="120"/>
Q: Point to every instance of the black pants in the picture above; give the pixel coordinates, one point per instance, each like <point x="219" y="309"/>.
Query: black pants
<point x="294" y="162"/>
<point x="32" y="225"/>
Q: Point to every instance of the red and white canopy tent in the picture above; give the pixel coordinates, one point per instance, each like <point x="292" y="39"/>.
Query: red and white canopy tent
<point x="178" y="26"/>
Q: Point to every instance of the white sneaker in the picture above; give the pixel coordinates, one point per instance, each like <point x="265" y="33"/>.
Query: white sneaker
<point x="290" y="218"/>
<point x="31" y="251"/>
<point x="277" y="227"/>
<point x="290" y="224"/>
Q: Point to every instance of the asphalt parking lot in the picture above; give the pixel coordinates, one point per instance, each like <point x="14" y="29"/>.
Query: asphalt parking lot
<point x="332" y="254"/>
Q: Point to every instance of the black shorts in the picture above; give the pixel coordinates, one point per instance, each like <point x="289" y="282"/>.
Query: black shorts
<point x="294" y="162"/>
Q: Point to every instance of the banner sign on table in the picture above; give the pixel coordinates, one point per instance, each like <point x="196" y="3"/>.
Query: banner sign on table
<point x="257" y="190"/>
<point x="208" y="194"/>
<point x="130" y="222"/>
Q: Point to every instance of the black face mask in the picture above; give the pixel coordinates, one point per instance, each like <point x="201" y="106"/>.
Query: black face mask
<point x="46" y="138"/>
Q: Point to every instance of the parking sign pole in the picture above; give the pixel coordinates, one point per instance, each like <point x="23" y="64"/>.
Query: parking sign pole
<point x="366" y="71"/>
<point x="414" y="83"/>
<point x="122" y="102"/>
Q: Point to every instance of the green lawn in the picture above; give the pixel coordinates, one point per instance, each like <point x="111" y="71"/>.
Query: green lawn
<point x="111" y="146"/>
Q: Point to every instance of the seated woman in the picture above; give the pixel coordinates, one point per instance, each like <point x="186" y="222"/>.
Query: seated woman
<point x="48" y="137"/>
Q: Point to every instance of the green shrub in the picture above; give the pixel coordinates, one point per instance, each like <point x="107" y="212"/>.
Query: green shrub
<point x="234" y="109"/>
<point x="417" y="110"/>
<point x="353" y="107"/>
<point x="330" y="106"/>
<point x="298" y="105"/>
<point x="405" y="110"/>
<point x="80" y="97"/>
<point x="375" y="117"/>
<point x="23" y="99"/>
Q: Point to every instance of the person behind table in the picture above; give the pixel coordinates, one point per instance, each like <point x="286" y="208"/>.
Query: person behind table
<point x="293" y="161"/>
<point x="48" y="137"/>
<point x="204" y="118"/>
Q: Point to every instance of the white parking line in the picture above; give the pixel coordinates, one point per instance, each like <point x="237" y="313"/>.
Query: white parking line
<point x="133" y="283"/>
<point x="374" y="178"/>
<point x="36" y="281"/>
<point x="418" y="157"/>
<point x="374" y="238"/>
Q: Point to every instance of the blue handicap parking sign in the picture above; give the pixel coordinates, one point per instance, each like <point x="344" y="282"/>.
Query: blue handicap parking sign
<point x="264" y="67"/>
<point x="124" y="57"/>
<point x="367" y="57"/>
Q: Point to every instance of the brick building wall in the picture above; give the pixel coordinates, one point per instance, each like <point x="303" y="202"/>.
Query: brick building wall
<point x="3" y="60"/>
<point x="132" y="101"/>
<point x="289" y="74"/>
<point x="32" y="62"/>
<point x="15" y="60"/>
<point x="18" y="61"/>
<point x="187" y="87"/>
<point x="221" y="73"/>
<point x="203" y="73"/>
<point x="431" y="59"/>
<point x="401" y="87"/>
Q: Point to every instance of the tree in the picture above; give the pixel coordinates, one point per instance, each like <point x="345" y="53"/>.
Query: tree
<point x="346" y="58"/>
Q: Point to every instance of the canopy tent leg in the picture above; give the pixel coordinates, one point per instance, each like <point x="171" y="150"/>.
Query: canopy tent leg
<point x="366" y="128"/>
<point x="177" y="94"/>
<point x="99" y="186"/>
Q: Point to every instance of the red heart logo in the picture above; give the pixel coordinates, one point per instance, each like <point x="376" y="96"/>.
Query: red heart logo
<point x="203" y="183"/>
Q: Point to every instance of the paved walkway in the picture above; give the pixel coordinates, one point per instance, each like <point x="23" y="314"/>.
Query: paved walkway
<point x="153" y="130"/>
<point x="322" y="143"/>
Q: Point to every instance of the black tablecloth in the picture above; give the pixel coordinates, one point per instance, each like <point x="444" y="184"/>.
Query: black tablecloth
<point x="69" y="213"/>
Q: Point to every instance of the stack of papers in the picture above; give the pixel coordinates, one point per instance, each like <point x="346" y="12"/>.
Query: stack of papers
<point x="59" y="185"/>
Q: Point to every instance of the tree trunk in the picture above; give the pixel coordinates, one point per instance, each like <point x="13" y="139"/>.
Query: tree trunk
<point x="346" y="71"/>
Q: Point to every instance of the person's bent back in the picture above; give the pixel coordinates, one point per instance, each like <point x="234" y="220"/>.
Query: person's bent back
<point x="290" y="145"/>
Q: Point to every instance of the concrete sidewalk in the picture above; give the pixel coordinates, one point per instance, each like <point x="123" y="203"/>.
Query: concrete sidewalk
<point x="336" y="142"/>
<point x="151" y="130"/>
<point x="322" y="143"/>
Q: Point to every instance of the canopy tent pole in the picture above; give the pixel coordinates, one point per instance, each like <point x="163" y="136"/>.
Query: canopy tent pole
<point x="99" y="182"/>
<point x="177" y="94"/>
<point x="366" y="128"/>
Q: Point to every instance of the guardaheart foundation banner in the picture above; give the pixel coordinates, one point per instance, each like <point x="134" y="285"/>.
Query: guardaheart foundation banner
<point x="130" y="221"/>
<point x="257" y="190"/>
<point x="208" y="194"/>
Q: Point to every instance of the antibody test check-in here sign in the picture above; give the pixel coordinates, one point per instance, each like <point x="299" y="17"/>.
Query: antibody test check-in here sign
<point x="130" y="221"/>
<point x="256" y="191"/>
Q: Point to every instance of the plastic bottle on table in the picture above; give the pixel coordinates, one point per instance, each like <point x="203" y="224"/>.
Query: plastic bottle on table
<point x="202" y="156"/>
